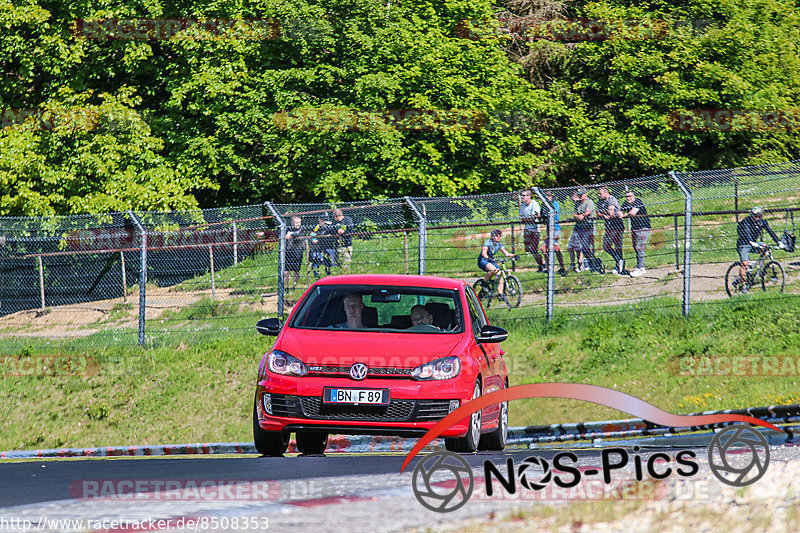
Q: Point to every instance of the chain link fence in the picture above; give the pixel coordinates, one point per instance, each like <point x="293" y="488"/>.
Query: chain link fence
<point x="212" y="270"/>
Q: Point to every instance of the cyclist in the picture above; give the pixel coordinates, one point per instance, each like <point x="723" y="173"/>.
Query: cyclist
<point x="750" y="230"/>
<point x="486" y="261"/>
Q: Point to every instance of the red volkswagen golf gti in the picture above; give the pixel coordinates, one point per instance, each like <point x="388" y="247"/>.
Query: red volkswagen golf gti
<point x="380" y="355"/>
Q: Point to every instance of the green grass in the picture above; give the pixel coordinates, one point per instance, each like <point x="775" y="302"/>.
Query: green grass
<point x="199" y="387"/>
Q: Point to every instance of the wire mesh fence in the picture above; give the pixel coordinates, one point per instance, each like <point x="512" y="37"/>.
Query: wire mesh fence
<point x="666" y="241"/>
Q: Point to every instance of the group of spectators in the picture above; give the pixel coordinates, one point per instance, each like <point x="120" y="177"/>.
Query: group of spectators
<point x="329" y="244"/>
<point x="587" y="215"/>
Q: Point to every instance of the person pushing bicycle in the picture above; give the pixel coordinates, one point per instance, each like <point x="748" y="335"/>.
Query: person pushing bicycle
<point x="750" y="231"/>
<point x="486" y="260"/>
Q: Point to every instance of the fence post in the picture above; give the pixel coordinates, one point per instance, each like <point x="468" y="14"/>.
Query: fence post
<point x="677" y="255"/>
<point x="124" y="277"/>
<point x="235" y="244"/>
<point x="423" y="233"/>
<point x="687" y="246"/>
<point x="514" y="248"/>
<point x="281" y="257"/>
<point x="41" y="281"/>
<point x="405" y="248"/>
<point x="551" y="253"/>
<point x="142" y="274"/>
<point x="211" y="263"/>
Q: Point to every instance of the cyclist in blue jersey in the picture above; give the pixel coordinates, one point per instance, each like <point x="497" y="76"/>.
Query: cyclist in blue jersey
<point x="486" y="261"/>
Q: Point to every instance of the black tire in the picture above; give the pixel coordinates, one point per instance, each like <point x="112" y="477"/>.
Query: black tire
<point x="497" y="439"/>
<point x="483" y="295"/>
<point x="730" y="276"/>
<point x="269" y="443"/>
<point x="513" y="291"/>
<point x="311" y="442"/>
<point x="774" y="278"/>
<point x="469" y="442"/>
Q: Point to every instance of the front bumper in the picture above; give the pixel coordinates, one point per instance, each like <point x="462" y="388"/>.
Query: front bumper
<point x="414" y="407"/>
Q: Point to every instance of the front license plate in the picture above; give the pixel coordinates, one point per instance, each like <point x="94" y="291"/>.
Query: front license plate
<point x="356" y="396"/>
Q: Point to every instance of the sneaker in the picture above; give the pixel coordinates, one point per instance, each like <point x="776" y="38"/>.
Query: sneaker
<point x="541" y="269"/>
<point x="615" y="271"/>
<point x="624" y="272"/>
<point x="562" y="272"/>
<point x="637" y="272"/>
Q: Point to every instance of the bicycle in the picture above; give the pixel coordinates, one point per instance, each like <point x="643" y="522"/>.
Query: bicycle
<point x="512" y="294"/>
<point x="765" y="272"/>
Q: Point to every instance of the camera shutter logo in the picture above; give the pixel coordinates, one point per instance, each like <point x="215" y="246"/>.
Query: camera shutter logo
<point x="733" y="466"/>
<point x="525" y="473"/>
<point x="440" y="496"/>
<point x="358" y="371"/>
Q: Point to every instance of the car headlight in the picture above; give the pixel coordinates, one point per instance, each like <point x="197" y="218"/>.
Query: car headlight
<point x="283" y="363"/>
<point x="444" y="368"/>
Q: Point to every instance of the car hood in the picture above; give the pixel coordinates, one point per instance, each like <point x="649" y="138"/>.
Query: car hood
<point x="374" y="349"/>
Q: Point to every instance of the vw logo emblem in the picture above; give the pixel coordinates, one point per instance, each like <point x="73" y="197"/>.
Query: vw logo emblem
<point x="358" y="371"/>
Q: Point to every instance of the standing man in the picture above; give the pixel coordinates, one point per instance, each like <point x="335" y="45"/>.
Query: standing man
<point x="634" y="209"/>
<point x="581" y="239"/>
<point x="296" y="243"/>
<point x="556" y="230"/>
<point x="323" y="245"/>
<point x="608" y="209"/>
<point x="344" y="230"/>
<point x="529" y="214"/>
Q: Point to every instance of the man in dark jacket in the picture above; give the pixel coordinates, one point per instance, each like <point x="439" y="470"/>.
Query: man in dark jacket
<point x="750" y="231"/>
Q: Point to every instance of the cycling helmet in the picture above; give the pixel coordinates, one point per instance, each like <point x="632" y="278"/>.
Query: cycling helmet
<point x="757" y="211"/>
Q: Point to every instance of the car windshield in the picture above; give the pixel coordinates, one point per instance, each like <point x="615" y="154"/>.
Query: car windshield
<point x="380" y="308"/>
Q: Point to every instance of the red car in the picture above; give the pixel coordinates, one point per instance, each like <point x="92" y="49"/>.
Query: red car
<point x="380" y="355"/>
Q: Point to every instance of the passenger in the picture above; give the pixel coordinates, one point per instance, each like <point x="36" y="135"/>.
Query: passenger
<point x="421" y="315"/>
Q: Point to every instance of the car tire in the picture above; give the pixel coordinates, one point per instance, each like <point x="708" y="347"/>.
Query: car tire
<point x="311" y="442"/>
<point x="469" y="442"/>
<point x="268" y="443"/>
<point x="497" y="439"/>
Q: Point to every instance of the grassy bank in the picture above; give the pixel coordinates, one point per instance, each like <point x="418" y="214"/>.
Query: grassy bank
<point x="202" y="390"/>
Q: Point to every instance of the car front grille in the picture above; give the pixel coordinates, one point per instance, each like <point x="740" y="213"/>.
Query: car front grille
<point x="313" y="408"/>
<point x="371" y="371"/>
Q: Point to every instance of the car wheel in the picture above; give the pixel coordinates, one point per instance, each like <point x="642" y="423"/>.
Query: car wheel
<point x="311" y="442"/>
<point x="269" y="443"/>
<point x="469" y="442"/>
<point x="497" y="439"/>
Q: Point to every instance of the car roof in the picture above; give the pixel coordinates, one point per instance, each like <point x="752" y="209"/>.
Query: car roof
<point x="396" y="280"/>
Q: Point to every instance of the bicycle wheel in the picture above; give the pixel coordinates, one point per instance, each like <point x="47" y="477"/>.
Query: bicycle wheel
<point x="483" y="294"/>
<point x="513" y="291"/>
<point x="773" y="278"/>
<point x="733" y="283"/>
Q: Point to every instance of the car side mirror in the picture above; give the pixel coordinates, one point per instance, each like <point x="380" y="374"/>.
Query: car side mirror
<point x="269" y="326"/>
<point x="492" y="334"/>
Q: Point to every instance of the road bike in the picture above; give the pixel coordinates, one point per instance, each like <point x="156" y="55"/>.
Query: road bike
<point x="765" y="272"/>
<point x="512" y="291"/>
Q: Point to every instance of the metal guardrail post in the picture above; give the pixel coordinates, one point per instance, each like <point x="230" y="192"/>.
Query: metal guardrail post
<point x="551" y="254"/>
<point x="423" y="233"/>
<point x="281" y="258"/>
<point x="142" y="274"/>
<point x="687" y="246"/>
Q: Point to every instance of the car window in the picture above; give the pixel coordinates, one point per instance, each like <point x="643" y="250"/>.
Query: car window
<point x="477" y="316"/>
<point x="380" y="308"/>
